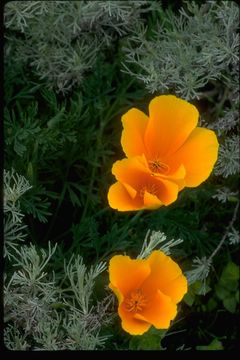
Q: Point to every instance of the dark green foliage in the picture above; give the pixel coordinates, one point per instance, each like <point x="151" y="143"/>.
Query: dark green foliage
<point x="149" y="341"/>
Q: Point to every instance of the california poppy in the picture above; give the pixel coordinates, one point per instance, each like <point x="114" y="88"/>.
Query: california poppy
<point x="165" y="152"/>
<point x="148" y="290"/>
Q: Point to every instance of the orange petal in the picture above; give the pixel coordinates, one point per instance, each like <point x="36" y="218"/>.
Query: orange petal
<point x="135" y="173"/>
<point x="130" y="324"/>
<point x="176" y="289"/>
<point x="117" y="292"/>
<point x="171" y="120"/>
<point x="178" y="176"/>
<point x="151" y="201"/>
<point x="134" y="126"/>
<point x="175" y="174"/>
<point x="198" y="155"/>
<point x="131" y="171"/>
<point x="159" y="312"/>
<point x="132" y="192"/>
<point x="120" y="199"/>
<point x="168" y="191"/>
<point x="164" y="275"/>
<point x="127" y="274"/>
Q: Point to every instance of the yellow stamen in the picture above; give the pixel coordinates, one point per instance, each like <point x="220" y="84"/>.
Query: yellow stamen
<point x="135" y="301"/>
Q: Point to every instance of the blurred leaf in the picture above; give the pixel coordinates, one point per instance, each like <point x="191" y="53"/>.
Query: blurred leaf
<point x="57" y="305"/>
<point x="230" y="304"/>
<point x="221" y="292"/>
<point x="230" y="272"/>
<point x="199" y="288"/>
<point x="230" y="285"/>
<point x="148" y="341"/>
<point x="189" y="298"/>
<point x="233" y="199"/>
<point x="54" y="121"/>
<point x="237" y="296"/>
<point x="230" y="276"/>
<point x="211" y="305"/>
<point x="214" y="345"/>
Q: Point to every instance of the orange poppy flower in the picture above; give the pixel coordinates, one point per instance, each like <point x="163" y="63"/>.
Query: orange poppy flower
<point x="165" y="153"/>
<point x="147" y="290"/>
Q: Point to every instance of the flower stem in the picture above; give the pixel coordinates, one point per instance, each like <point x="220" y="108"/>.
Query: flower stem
<point x="226" y="232"/>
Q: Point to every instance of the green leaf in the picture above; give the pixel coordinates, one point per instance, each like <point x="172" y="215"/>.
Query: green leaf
<point x="233" y="199"/>
<point x="144" y="342"/>
<point x="214" y="345"/>
<point x="221" y="292"/>
<point x="189" y="298"/>
<point x="230" y="277"/>
<point x="58" y="306"/>
<point x="230" y="285"/>
<point x="230" y="272"/>
<point x="30" y="172"/>
<point x="53" y="122"/>
<point x="212" y="304"/>
<point x="148" y="341"/>
<point x="237" y="296"/>
<point x="230" y="304"/>
<point x="199" y="288"/>
<point x="73" y="197"/>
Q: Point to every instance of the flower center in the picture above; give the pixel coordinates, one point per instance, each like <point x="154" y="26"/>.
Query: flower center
<point x="156" y="166"/>
<point x="151" y="188"/>
<point x="135" y="301"/>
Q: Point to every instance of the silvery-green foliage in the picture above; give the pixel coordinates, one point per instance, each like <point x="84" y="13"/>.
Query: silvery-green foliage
<point x="187" y="51"/>
<point x="83" y="328"/>
<point x="13" y="234"/>
<point x="82" y="281"/>
<point x="233" y="236"/>
<point x="53" y="312"/>
<point x="14" y="340"/>
<point x="14" y="186"/>
<point x="33" y="263"/>
<point x="201" y="268"/>
<point x="152" y="241"/>
<point x="83" y="331"/>
<point x="227" y="128"/>
<point x="48" y="334"/>
<point x="227" y="122"/>
<point x="228" y="157"/>
<point x="84" y="320"/>
<point x="60" y="40"/>
<point x="30" y="290"/>
<point x="224" y="194"/>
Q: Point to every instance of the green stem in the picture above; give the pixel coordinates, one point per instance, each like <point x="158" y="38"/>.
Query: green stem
<point x="136" y="216"/>
<point x="222" y="101"/>
<point x="226" y="233"/>
<point x="61" y="235"/>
